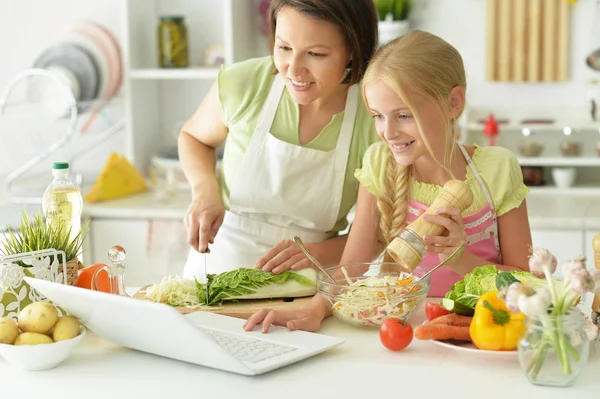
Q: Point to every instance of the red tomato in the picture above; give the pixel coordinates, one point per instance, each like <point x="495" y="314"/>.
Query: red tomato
<point x="434" y="310"/>
<point x="395" y="334"/>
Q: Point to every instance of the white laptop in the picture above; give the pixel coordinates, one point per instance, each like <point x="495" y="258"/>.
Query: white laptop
<point x="202" y="338"/>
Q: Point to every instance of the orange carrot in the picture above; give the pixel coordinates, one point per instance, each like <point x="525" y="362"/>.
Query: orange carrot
<point x="442" y="332"/>
<point x="453" y="319"/>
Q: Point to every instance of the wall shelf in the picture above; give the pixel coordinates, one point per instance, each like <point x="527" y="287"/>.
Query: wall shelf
<point x="559" y="161"/>
<point x="159" y="100"/>
<point x="166" y="74"/>
<point x="541" y="127"/>
<point x="591" y="190"/>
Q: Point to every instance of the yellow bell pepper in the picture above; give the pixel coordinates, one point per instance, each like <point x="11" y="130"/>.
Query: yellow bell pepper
<point x="494" y="327"/>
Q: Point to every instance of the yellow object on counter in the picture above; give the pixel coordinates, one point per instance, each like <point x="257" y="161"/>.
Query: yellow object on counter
<point x="119" y="178"/>
<point x="494" y="327"/>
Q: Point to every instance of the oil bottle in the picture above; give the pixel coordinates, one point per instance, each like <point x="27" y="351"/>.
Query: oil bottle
<point x="62" y="202"/>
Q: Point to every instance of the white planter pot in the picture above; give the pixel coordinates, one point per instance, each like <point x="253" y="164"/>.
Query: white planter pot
<point x="389" y="30"/>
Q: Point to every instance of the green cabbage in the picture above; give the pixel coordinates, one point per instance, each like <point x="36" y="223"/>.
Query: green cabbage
<point x="246" y="283"/>
<point x="481" y="280"/>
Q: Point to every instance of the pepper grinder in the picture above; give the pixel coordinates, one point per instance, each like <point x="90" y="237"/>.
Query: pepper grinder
<point x="408" y="248"/>
<point x="116" y="271"/>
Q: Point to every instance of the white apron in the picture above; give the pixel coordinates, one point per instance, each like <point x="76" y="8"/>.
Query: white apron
<point x="281" y="190"/>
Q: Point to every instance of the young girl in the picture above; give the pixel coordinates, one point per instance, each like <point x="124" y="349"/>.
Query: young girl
<point x="415" y="90"/>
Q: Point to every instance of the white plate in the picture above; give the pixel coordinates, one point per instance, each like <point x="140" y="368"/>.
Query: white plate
<point x="470" y="348"/>
<point x="96" y="52"/>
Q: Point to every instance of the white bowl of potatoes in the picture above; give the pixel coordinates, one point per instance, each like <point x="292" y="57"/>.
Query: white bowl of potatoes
<point x="41" y="339"/>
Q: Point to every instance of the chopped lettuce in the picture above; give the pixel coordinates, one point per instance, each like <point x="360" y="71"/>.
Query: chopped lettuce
<point x="481" y="280"/>
<point x="246" y="283"/>
<point x="174" y="291"/>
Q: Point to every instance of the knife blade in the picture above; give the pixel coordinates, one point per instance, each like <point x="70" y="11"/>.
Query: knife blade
<point x="207" y="251"/>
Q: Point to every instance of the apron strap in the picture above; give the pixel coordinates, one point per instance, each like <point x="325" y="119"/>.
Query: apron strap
<point x="268" y="112"/>
<point x="478" y="177"/>
<point x="342" y="149"/>
<point x="488" y="196"/>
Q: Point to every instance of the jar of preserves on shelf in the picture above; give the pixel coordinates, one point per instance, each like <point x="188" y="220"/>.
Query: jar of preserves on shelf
<point x="172" y="42"/>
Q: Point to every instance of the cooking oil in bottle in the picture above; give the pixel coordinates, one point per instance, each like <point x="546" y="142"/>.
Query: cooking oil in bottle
<point x="62" y="203"/>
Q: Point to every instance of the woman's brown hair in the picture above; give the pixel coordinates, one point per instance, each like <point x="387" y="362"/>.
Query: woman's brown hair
<point x="356" y="19"/>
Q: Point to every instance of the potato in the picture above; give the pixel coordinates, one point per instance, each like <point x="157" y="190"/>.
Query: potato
<point x="29" y="338"/>
<point x="9" y="331"/>
<point x="38" y="317"/>
<point x="67" y="327"/>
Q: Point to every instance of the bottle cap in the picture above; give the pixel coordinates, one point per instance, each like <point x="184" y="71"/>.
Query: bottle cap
<point x="60" y="165"/>
<point x="172" y="18"/>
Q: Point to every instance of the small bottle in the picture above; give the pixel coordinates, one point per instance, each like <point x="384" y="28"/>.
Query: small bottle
<point x="116" y="272"/>
<point x="62" y="202"/>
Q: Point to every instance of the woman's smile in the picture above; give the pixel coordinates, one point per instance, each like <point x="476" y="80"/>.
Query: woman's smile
<point x="301" y="85"/>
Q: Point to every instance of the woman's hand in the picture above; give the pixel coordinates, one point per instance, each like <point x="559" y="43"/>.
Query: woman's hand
<point x="307" y="319"/>
<point x="203" y="220"/>
<point x="285" y="255"/>
<point x="454" y="236"/>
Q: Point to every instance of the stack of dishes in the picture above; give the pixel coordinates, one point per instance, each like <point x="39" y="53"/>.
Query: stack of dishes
<point x="87" y="57"/>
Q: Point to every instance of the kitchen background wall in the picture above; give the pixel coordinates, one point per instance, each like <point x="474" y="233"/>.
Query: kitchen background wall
<point x="27" y="27"/>
<point x="24" y="33"/>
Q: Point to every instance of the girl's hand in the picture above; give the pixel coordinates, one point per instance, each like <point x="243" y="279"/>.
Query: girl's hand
<point x="454" y="236"/>
<point x="304" y="319"/>
<point x="285" y="255"/>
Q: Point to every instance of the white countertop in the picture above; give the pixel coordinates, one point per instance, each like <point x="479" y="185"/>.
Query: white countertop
<point x="545" y="211"/>
<point x="359" y="368"/>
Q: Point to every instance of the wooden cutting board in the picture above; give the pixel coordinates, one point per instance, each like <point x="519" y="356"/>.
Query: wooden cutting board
<point x="242" y="309"/>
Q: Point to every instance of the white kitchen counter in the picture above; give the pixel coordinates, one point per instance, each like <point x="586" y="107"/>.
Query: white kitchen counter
<point x="359" y="368"/>
<point x="545" y="211"/>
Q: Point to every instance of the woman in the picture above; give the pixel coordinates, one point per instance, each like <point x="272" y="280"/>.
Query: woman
<point x="295" y="129"/>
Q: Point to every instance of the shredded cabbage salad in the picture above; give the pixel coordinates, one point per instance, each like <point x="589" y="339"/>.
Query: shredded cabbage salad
<point x="174" y="291"/>
<point x="368" y="307"/>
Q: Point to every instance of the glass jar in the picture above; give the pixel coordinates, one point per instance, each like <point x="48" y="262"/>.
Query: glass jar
<point x="172" y="42"/>
<point x="554" y="350"/>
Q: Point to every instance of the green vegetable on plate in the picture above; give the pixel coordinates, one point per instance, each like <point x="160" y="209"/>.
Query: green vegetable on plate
<point x="463" y="295"/>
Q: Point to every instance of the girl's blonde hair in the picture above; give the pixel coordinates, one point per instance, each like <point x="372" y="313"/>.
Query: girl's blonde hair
<point x="415" y="62"/>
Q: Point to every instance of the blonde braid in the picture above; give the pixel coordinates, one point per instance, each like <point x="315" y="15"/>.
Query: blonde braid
<point x="393" y="203"/>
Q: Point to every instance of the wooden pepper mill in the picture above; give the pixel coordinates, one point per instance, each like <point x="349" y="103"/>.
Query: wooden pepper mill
<point x="596" y="302"/>
<point x="407" y="249"/>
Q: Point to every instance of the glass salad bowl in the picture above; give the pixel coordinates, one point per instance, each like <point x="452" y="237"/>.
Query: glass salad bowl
<point x="365" y="294"/>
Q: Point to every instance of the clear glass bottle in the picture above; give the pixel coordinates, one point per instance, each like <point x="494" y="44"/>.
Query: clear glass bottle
<point x="62" y="202"/>
<point x="554" y="350"/>
<point x="116" y="272"/>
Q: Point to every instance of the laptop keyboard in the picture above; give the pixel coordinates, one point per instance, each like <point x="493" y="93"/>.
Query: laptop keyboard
<point x="248" y="349"/>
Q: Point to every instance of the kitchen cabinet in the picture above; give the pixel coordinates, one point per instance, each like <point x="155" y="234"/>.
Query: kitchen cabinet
<point x="155" y="247"/>
<point x="564" y="244"/>
<point x="131" y="235"/>
<point x="158" y="100"/>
